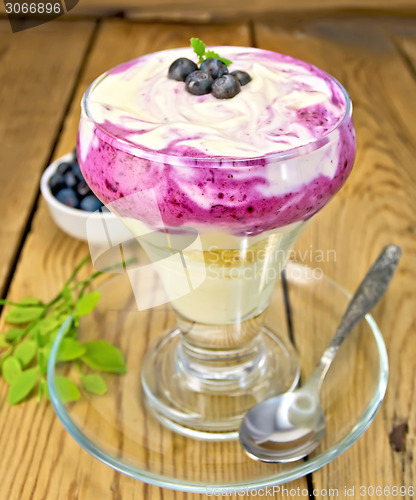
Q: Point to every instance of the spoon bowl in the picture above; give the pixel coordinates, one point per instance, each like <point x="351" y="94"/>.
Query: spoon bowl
<point x="301" y="427"/>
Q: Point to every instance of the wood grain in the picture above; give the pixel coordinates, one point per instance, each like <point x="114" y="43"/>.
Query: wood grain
<point x="374" y="208"/>
<point x="40" y="461"/>
<point x="38" y="69"/>
<point x="217" y="10"/>
<point x="404" y="36"/>
<point x="187" y="10"/>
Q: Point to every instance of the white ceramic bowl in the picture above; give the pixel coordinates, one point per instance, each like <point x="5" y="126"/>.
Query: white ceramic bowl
<point x="75" y="221"/>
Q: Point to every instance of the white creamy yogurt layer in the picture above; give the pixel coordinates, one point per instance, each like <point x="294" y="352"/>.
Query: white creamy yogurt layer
<point x="148" y="110"/>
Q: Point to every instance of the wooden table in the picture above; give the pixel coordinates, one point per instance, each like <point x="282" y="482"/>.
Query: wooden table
<point x="43" y="74"/>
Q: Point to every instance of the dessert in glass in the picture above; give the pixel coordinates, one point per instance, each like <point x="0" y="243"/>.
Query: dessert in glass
<point x="227" y="185"/>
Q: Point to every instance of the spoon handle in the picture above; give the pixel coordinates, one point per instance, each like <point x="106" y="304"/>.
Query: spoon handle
<point x="367" y="295"/>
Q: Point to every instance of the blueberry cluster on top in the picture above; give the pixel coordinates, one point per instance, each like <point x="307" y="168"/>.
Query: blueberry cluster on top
<point x="212" y="76"/>
<point x="69" y="187"/>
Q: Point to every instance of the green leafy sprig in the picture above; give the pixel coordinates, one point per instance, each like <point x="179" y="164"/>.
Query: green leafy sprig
<point x="26" y="346"/>
<point x="201" y="51"/>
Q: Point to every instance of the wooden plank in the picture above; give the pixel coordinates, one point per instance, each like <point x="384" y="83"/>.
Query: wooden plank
<point x="404" y="35"/>
<point x="376" y="207"/>
<point x="408" y="45"/>
<point x="42" y="460"/>
<point x="37" y="71"/>
<point x="245" y="10"/>
<point x="185" y="10"/>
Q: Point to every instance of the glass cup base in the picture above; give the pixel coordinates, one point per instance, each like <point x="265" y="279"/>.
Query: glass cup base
<point x="210" y="405"/>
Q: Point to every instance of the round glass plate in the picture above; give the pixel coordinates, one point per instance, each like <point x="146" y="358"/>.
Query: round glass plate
<point x="118" y="428"/>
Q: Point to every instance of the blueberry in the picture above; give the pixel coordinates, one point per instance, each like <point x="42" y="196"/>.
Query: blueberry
<point x="199" y="83"/>
<point x="82" y="189"/>
<point x="181" y="68"/>
<point x="56" y="182"/>
<point x="68" y="197"/>
<point x="64" y="167"/>
<point x="90" y="203"/>
<point x="214" y="67"/>
<point x="226" y="87"/>
<point x="242" y="77"/>
<point x="76" y="170"/>
<point x="70" y="179"/>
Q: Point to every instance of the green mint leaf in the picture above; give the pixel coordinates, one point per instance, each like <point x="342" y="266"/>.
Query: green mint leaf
<point x="215" y="55"/>
<point x="70" y="349"/>
<point x="21" y="386"/>
<point x="103" y="356"/>
<point x="13" y="334"/>
<point x="66" y="389"/>
<point x="86" y="303"/>
<point x="24" y="314"/>
<point x="11" y="369"/>
<point x="94" y="384"/>
<point x="25" y="352"/>
<point x="199" y="48"/>
<point x="211" y="53"/>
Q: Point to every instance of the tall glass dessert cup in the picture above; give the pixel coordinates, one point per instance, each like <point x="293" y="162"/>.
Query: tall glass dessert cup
<point x="217" y="209"/>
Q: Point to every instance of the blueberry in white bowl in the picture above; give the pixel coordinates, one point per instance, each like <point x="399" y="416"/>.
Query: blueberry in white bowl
<point x="74" y="208"/>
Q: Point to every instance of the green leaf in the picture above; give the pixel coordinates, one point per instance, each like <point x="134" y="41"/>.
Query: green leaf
<point x="94" y="384"/>
<point x="3" y="341"/>
<point x="4" y="354"/>
<point x="211" y="53"/>
<point x="199" y="48"/>
<point x="43" y="358"/>
<point x="47" y="325"/>
<point x="44" y="329"/>
<point x="103" y="356"/>
<point x="13" y="334"/>
<point x="70" y="349"/>
<point x="58" y="316"/>
<point x="66" y="389"/>
<point x="86" y="303"/>
<point x="25" y="351"/>
<point x="70" y="330"/>
<point x="22" y="385"/>
<point x="24" y="314"/>
<point x="27" y="301"/>
<point x="11" y="369"/>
